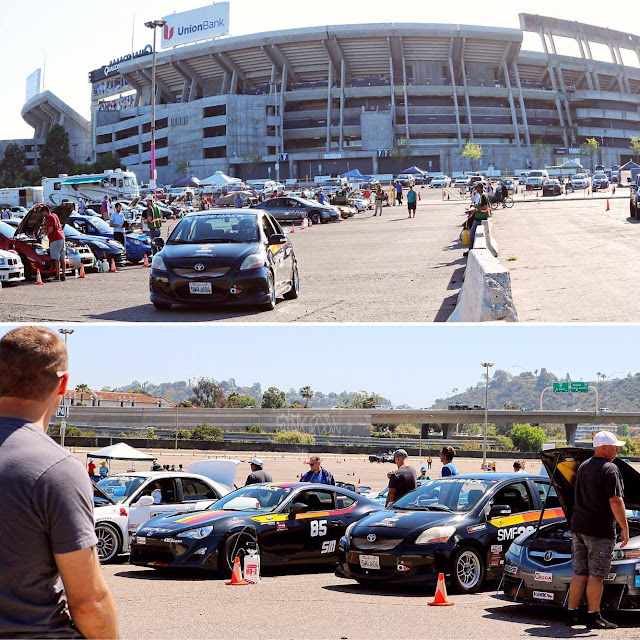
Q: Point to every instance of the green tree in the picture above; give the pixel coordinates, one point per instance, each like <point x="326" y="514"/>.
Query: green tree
<point x="207" y="432"/>
<point x="635" y="145"/>
<point x="208" y="393"/>
<point x="307" y="394"/>
<point x="184" y="168"/>
<point x="254" y="428"/>
<point x="237" y="400"/>
<point x="589" y="148"/>
<point x="472" y="151"/>
<point x="363" y="400"/>
<point x="273" y="398"/>
<point x="151" y="433"/>
<point x="527" y="438"/>
<point x="13" y="165"/>
<point x="82" y="389"/>
<point x="54" y="156"/>
<point x="505" y="443"/>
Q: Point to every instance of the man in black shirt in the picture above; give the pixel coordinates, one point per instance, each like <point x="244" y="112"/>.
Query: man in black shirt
<point x="402" y="480"/>
<point x="598" y="503"/>
<point x="257" y="475"/>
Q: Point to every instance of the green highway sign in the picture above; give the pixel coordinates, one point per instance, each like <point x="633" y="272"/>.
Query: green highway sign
<point x="579" y="387"/>
<point x="560" y="387"/>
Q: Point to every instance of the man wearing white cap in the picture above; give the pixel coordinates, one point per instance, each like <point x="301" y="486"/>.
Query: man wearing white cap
<point x="598" y="504"/>
<point x="257" y="474"/>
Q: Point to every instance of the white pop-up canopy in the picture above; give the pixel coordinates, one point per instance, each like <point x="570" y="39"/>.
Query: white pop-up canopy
<point x="219" y="179"/>
<point x="120" y="451"/>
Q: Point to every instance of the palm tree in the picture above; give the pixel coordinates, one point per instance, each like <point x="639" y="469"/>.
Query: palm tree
<point x="83" y="388"/>
<point x="306" y="392"/>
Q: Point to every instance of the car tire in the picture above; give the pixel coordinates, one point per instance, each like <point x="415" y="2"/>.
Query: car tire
<point x="292" y="294"/>
<point x="232" y="546"/>
<point x="316" y="217"/>
<point x="109" y="543"/>
<point x="28" y="274"/>
<point x="467" y="570"/>
<point x="161" y="306"/>
<point x="271" y="305"/>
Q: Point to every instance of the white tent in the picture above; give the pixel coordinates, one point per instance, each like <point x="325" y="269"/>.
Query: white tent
<point x="120" y="451"/>
<point x="219" y="179"/>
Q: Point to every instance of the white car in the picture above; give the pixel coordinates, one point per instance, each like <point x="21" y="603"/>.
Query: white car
<point x="580" y="181"/>
<point x="125" y="501"/>
<point x="440" y="182"/>
<point x="11" y="267"/>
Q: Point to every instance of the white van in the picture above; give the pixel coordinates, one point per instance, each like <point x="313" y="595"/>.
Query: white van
<point x="536" y="178"/>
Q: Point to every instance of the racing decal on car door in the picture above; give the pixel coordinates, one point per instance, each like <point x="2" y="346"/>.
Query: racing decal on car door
<point x="510" y="527"/>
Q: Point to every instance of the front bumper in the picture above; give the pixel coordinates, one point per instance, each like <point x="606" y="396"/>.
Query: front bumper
<point x="174" y="552"/>
<point x="234" y="288"/>
<point x="405" y="563"/>
<point x="12" y="273"/>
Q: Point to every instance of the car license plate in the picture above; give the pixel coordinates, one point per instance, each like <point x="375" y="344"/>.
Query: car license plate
<point x="369" y="562"/>
<point x="200" y="288"/>
<point x="140" y="540"/>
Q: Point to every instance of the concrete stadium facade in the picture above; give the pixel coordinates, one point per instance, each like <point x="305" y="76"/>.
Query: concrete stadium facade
<point x="377" y="97"/>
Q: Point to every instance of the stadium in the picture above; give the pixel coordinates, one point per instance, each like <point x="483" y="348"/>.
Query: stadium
<point x="377" y="97"/>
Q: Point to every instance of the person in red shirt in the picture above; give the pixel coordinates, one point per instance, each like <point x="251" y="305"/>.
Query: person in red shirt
<point x="91" y="468"/>
<point x="57" y="247"/>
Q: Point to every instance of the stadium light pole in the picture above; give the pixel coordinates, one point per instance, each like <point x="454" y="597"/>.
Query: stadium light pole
<point x="153" y="24"/>
<point x="486" y="365"/>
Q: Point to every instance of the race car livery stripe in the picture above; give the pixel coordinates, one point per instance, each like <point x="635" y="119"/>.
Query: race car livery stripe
<point x="531" y="516"/>
<point x="270" y="519"/>
<point x="199" y="517"/>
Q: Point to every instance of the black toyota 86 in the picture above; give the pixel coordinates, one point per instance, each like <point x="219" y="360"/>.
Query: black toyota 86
<point x="288" y="523"/>
<point x="231" y="257"/>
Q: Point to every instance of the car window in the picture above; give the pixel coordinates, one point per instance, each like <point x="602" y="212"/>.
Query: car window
<point x="344" y="502"/>
<point x="215" y="228"/>
<point x="455" y="494"/>
<point x="263" y="498"/>
<point x="276" y="225"/>
<point x="193" y="489"/>
<point x="7" y="230"/>
<point x="315" y="499"/>
<point x="267" y="227"/>
<point x="515" y="495"/>
<point x="119" y="488"/>
<point x="168" y="492"/>
<point x="549" y="492"/>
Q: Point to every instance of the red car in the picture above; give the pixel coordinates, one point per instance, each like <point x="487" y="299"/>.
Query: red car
<point x="27" y="241"/>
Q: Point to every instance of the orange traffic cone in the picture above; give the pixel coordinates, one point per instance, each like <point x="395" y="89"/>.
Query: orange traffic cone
<point x="236" y="576"/>
<point x="38" y="277"/>
<point x="82" y="273"/>
<point x="608" y="208"/>
<point x="293" y="228"/>
<point x="309" y="223"/>
<point x="113" y="266"/>
<point x="146" y="261"/>
<point x="441" y="594"/>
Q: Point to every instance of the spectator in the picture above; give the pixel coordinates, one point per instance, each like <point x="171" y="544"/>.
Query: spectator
<point x="91" y="467"/>
<point x="238" y="201"/>
<point x="52" y="585"/>
<point x="57" y="246"/>
<point x="402" y="480"/>
<point x="517" y="467"/>
<point x="156" y="494"/>
<point x="429" y="462"/>
<point x="82" y="207"/>
<point x="423" y="474"/>
<point x="110" y="208"/>
<point x="173" y="467"/>
<point x="104" y="208"/>
<point x="482" y="212"/>
<point x="379" y="202"/>
<point x="398" y="188"/>
<point x="412" y="201"/>
<point x="6" y="214"/>
<point x="104" y="470"/>
<point x="180" y="468"/>
<point x="320" y="197"/>
<point x="117" y="222"/>
<point x="598" y="504"/>
<point x="494" y="466"/>
<point x="317" y="473"/>
<point x="446" y="456"/>
<point x="154" y="221"/>
<point x="257" y="474"/>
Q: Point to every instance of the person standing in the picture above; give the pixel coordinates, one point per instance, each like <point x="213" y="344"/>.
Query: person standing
<point x="412" y="202"/>
<point x="154" y="221"/>
<point x="423" y="474"/>
<point x="317" y="473"/>
<point x="82" y="207"/>
<point x="429" y="462"/>
<point x="57" y="246"/>
<point x="104" y="208"/>
<point x="482" y="212"/>
<point x="238" y="201"/>
<point x="117" y="222"/>
<point x="402" y="480"/>
<point x="446" y="456"/>
<point x="399" y="193"/>
<point x="91" y="467"/>
<point x="598" y="503"/>
<point x="257" y="474"/>
<point x="379" y="202"/>
<point x="104" y="470"/>
<point x="517" y="467"/>
<point x="52" y="585"/>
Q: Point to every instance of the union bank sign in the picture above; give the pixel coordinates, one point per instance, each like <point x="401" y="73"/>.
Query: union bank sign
<point x="198" y="24"/>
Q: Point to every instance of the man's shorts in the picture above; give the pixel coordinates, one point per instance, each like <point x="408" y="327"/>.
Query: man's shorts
<point x="591" y="556"/>
<point x="412" y="206"/>
<point x="57" y="249"/>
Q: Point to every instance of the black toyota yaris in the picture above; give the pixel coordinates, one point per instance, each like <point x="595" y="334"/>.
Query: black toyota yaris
<point x="232" y="257"/>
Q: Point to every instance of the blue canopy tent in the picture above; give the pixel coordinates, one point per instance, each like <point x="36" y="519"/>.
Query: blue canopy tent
<point x="414" y="170"/>
<point x="354" y="174"/>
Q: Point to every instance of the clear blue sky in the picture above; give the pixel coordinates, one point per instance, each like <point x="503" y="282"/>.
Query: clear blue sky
<point x="408" y="364"/>
<point x="78" y="36"/>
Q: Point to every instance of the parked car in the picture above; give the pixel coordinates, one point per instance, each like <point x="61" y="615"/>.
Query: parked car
<point x="552" y="187"/>
<point x="288" y="209"/>
<point x="381" y="457"/>
<point x="99" y="246"/>
<point x="580" y="181"/>
<point x="440" y="182"/>
<point x="536" y="179"/>
<point x="11" y="268"/>
<point x="406" y="179"/>
<point x="229" y="200"/>
<point x="600" y="181"/>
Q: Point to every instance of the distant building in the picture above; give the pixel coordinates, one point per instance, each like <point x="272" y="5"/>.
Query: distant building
<point x="115" y="399"/>
<point x="584" y="431"/>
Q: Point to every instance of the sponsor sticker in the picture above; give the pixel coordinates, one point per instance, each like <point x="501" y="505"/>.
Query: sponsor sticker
<point x="511" y="569"/>
<point x="175" y="540"/>
<point x="281" y="526"/>
<point x="476" y="527"/>
<point x="611" y="576"/>
<point x="496" y="548"/>
<point x="637" y="581"/>
<point x="543" y="595"/>
<point x="511" y="533"/>
<point x="637" y="566"/>
<point x="232" y="522"/>
<point x="543" y="576"/>
<point x="402" y="568"/>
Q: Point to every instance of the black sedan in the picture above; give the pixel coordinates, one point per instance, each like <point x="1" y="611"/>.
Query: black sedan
<point x="234" y="257"/>
<point x="552" y="188"/>
<point x="291" y="209"/>
<point x="289" y="523"/>
<point x="461" y="526"/>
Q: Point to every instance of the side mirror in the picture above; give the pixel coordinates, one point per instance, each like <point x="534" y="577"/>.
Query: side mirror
<point x="158" y="243"/>
<point x="500" y="511"/>
<point x="298" y="507"/>
<point x="144" y="501"/>
<point x="277" y="238"/>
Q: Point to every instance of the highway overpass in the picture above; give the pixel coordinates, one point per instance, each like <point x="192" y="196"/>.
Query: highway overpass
<point x="339" y="422"/>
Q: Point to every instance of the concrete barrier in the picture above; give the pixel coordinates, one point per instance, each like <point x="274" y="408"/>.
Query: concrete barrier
<point x="490" y="241"/>
<point x="486" y="292"/>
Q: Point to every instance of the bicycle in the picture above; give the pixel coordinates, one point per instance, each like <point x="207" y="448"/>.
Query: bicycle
<point x="506" y="203"/>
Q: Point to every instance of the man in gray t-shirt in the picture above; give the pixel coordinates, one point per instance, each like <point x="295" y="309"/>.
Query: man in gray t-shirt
<point x="51" y="585"/>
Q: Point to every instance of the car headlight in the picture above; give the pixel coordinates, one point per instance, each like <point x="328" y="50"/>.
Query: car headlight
<point x="347" y="532"/>
<point x="196" y="534"/>
<point x="3" y="262"/>
<point x="135" y="243"/>
<point x="516" y="550"/>
<point x="254" y="261"/>
<point x="42" y="252"/>
<point x="435" y="534"/>
<point x="624" y="554"/>
<point x="158" y="263"/>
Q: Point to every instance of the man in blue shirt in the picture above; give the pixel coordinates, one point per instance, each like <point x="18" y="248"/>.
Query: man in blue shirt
<point x="321" y="197"/>
<point x="446" y="456"/>
<point x="317" y="473"/>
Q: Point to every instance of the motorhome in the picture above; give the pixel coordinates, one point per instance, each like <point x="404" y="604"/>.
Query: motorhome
<point x="21" y="197"/>
<point x="116" y="184"/>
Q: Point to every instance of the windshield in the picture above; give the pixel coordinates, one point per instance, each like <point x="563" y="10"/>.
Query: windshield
<point x="70" y="231"/>
<point x="263" y="498"/>
<point x="7" y="230"/>
<point x="445" y="494"/>
<point x="535" y="174"/>
<point x="101" y="225"/>
<point x="119" y="488"/>
<point x="216" y="228"/>
<point x="600" y="176"/>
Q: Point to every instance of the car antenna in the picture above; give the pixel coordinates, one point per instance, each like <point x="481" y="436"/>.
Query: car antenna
<point x="544" y="504"/>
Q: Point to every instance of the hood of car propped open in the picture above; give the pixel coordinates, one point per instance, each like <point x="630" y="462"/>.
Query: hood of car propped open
<point x="562" y="467"/>
<point x="33" y="220"/>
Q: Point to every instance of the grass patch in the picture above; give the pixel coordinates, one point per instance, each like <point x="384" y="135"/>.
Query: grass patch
<point x="512" y="259"/>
